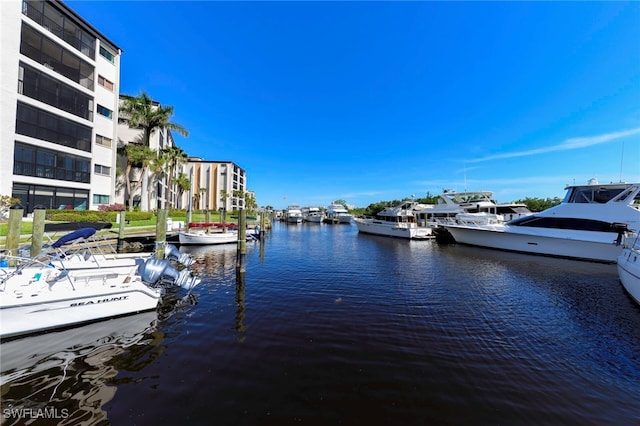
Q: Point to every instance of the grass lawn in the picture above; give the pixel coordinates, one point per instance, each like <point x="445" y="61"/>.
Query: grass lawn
<point x="26" y="227"/>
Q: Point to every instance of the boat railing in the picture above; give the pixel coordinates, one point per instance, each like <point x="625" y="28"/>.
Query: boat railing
<point x="11" y="266"/>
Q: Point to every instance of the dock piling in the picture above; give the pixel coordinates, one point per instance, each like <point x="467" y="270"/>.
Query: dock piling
<point x="242" y="241"/>
<point x="161" y="233"/>
<point x="37" y="233"/>
<point x="13" y="231"/>
<point x="120" y="246"/>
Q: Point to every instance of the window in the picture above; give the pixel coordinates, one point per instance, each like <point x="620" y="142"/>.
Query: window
<point x="105" y="83"/>
<point x="29" y="160"/>
<point x="51" y="197"/>
<point x="102" y="170"/>
<point x="40" y="124"/>
<point x="53" y="56"/>
<point x="38" y="85"/>
<point x="54" y="21"/>
<point x="100" y="199"/>
<point x="105" y="111"/>
<point x="104" y="141"/>
<point x="107" y="55"/>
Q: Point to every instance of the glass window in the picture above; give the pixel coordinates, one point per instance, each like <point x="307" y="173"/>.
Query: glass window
<point x="105" y="83"/>
<point x="107" y="55"/>
<point x="105" y="111"/>
<point x="100" y="199"/>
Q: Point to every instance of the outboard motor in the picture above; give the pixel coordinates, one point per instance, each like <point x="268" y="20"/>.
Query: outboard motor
<point x="171" y="252"/>
<point x="158" y="271"/>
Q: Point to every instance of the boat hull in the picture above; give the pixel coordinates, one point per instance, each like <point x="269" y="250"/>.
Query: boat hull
<point x="581" y="245"/>
<point x="24" y="312"/>
<point x="392" y="230"/>
<point x="344" y="218"/>
<point x="187" y="238"/>
<point x="629" y="272"/>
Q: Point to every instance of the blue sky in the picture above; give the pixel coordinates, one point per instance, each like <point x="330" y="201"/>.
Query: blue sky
<point x="373" y="101"/>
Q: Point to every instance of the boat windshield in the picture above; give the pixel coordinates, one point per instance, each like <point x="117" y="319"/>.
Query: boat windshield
<point x="592" y="194"/>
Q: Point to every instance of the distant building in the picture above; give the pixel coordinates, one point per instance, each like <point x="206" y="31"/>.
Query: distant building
<point x="59" y="83"/>
<point x="216" y="184"/>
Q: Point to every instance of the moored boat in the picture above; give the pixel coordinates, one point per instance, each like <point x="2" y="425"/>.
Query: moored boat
<point x="398" y="221"/>
<point x="312" y="215"/>
<point x="39" y="294"/>
<point x="629" y="266"/>
<point x="587" y="225"/>
<point x="337" y="213"/>
<point x="293" y="214"/>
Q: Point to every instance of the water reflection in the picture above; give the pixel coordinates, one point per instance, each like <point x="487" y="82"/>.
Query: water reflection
<point x="65" y="375"/>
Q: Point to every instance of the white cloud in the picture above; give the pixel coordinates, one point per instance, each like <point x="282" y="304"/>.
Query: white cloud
<point x="572" y="143"/>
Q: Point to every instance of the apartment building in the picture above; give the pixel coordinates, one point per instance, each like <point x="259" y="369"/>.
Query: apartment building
<point x="216" y="184"/>
<point x="59" y="83"/>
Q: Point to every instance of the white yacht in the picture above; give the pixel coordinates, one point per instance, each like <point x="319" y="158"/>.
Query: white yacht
<point x="587" y="225"/>
<point x="294" y="214"/>
<point x="337" y="213"/>
<point x="313" y="215"/>
<point x="629" y="266"/>
<point x="473" y="206"/>
<point x="399" y="221"/>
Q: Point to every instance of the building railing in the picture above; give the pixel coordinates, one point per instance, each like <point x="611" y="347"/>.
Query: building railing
<point x="55" y="28"/>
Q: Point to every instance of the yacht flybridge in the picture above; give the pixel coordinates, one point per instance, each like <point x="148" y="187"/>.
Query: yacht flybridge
<point x="587" y="225"/>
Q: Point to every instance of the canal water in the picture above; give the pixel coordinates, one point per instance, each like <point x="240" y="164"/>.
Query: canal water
<point x="329" y="326"/>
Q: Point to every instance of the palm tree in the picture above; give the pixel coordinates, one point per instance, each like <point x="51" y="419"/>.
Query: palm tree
<point x="157" y="167"/>
<point x="137" y="156"/>
<point x="174" y="157"/>
<point x="184" y="184"/>
<point x="142" y="111"/>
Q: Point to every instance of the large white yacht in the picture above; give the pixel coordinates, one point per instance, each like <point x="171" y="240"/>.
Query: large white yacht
<point x="337" y="213"/>
<point x="294" y="214"/>
<point x="312" y="215"/>
<point x="399" y="221"/>
<point x="587" y="225"/>
<point x="469" y="206"/>
<point x="629" y="266"/>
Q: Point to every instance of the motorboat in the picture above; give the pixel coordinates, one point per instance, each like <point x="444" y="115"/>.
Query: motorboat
<point x="294" y="214"/>
<point x="587" y="225"/>
<point x="208" y="233"/>
<point x="206" y="236"/>
<point x="337" y="213"/>
<point x="313" y="215"/>
<point x="468" y="206"/>
<point x="81" y="249"/>
<point x="398" y="221"/>
<point x="78" y="271"/>
<point x="39" y="293"/>
<point x="629" y="266"/>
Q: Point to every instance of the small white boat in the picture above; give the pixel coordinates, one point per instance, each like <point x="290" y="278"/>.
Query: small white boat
<point x="39" y="294"/>
<point x="77" y="280"/>
<point x="201" y="237"/>
<point x="337" y="213"/>
<point x="587" y="225"/>
<point x="629" y="266"/>
<point x="398" y="221"/>
<point x="293" y="214"/>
